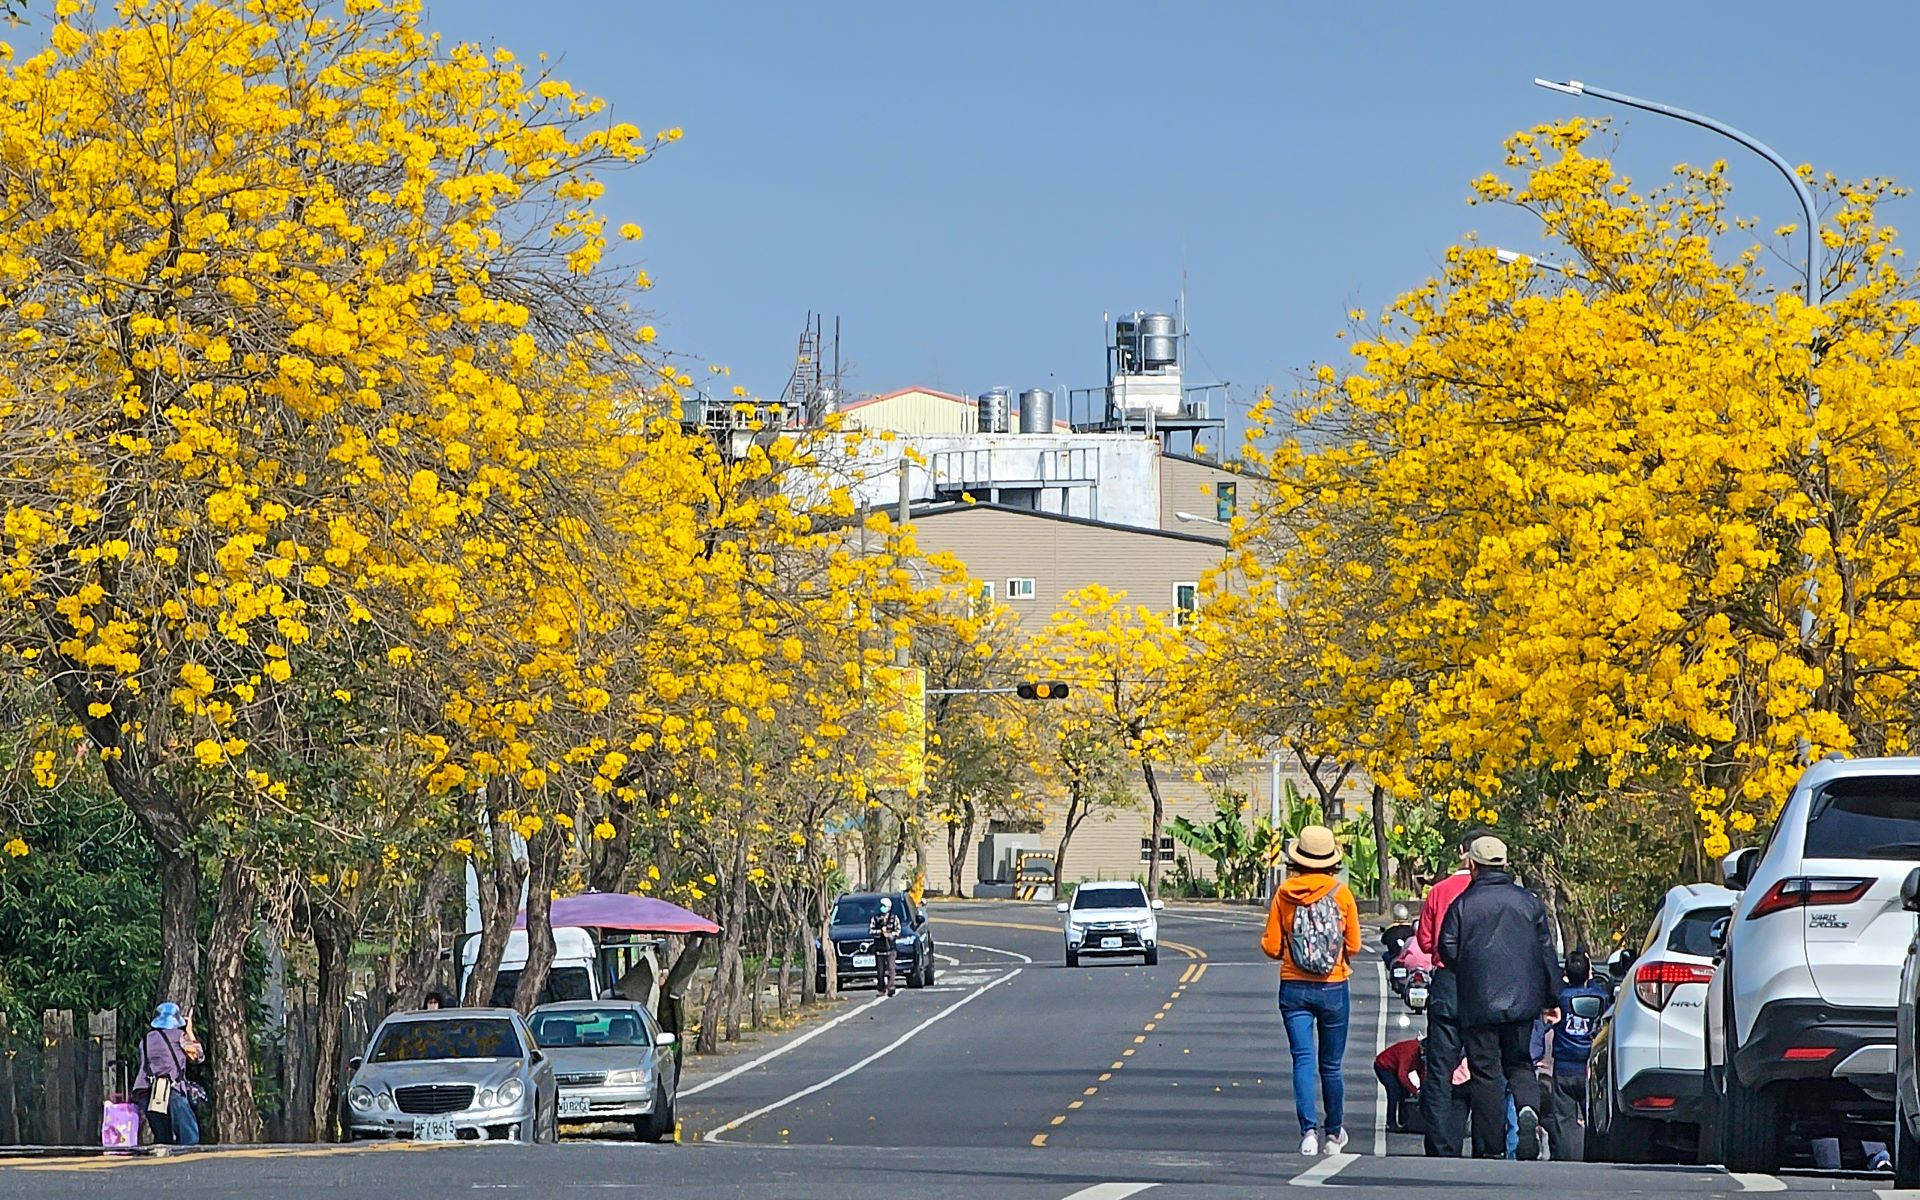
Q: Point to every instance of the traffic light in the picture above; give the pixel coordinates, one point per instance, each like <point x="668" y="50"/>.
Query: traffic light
<point x="1041" y="691"/>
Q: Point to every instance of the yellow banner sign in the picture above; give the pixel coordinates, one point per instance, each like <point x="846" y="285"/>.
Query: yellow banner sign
<point x="900" y="697"/>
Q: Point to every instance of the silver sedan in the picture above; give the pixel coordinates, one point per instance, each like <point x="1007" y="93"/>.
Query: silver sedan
<point x="464" y="1074"/>
<point x="613" y="1062"/>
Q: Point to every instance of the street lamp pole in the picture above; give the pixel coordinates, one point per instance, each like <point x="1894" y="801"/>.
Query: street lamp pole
<point x="1814" y="271"/>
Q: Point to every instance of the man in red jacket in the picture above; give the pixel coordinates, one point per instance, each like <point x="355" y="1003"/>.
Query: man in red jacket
<point x="1443" y="1048"/>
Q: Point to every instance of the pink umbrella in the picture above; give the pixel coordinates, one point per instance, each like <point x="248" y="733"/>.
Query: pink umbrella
<point x="634" y="914"/>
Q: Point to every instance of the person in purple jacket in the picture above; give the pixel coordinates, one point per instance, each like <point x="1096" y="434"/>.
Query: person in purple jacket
<point x="165" y="1052"/>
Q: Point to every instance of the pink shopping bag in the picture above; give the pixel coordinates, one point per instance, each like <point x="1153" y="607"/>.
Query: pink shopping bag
<point x="120" y="1125"/>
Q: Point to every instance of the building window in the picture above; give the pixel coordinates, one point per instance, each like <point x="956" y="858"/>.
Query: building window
<point x="1226" y="500"/>
<point x="983" y="603"/>
<point x="1019" y="589"/>
<point x="1186" y="602"/>
<point x="1166" y="849"/>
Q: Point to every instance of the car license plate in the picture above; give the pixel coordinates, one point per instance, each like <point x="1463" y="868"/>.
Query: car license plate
<point x="575" y="1106"/>
<point x="434" y="1129"/>
<point x="863" y="960"/>
<point x="1109" y="943"/>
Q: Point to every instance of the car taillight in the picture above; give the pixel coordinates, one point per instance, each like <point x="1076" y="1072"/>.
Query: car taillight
<point x="1654" y="982"/>
<point x="1800" y="891"/>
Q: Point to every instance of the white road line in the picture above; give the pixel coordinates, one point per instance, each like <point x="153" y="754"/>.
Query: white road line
<point x="777" y="1051"/>
<point x="1898" y="1194"/>
<point x="1250" y="923"/>
<point x="1110" y="1191"/>
<point x="1757" y="1183"/>
<point x="990" y="950"/>
<point x="817" y="1030"/>
<point x="1318" y="1174"/>
<point x="1380" y="1045"/>
<point x="713" y="1135"/>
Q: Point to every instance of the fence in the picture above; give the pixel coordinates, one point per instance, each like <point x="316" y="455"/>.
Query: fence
<point x="54" y="1079"/>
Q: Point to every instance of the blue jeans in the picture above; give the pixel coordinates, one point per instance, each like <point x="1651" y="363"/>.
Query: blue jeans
<point x="186" y="1126"/>
<point x="1315" y="1015"/>
<point x="1513" y="1128"/>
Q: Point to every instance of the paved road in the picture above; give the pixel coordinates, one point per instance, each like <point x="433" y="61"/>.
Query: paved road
<point x="1012" y="1077"/>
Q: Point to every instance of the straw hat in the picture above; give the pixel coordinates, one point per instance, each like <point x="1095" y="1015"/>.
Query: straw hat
<point x="1314" y="849"/>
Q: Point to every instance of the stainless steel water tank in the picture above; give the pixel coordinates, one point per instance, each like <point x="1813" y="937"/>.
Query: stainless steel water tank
<point x="1036" y="411"/>
<point x="994" y="414"/>
<point x="1159" y="341"/>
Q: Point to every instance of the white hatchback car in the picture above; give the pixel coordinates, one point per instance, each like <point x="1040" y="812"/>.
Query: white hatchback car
<point x="1112" y="917"/>
<point x="1801" y="1011"/>
<point x="1648" y="1055"/>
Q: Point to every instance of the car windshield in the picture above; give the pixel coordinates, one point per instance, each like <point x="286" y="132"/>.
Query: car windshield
<point x="563" y="983"/>
<point x="454" y="1037"/>
<point x="590" y="1027"/>
<point x="1692" y="933"/>
<point x="1131" y="897"/>
<point x="1868" y="817"/>
<point x="860" y="910"/>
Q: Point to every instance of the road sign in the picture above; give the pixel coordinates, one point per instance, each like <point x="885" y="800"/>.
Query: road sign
<point x="900" y="695"/>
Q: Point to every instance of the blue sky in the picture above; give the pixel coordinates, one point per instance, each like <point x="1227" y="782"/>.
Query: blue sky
<point x="970" y="187"/>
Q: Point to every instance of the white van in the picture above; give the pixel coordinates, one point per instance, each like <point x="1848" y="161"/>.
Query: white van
<point x="585" y="967"/>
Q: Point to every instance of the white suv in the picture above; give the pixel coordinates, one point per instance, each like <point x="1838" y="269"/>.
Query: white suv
<point x="1801" y="1010"/>
<point x="1648" y="1055"/>
<point x="1112" y="918"/>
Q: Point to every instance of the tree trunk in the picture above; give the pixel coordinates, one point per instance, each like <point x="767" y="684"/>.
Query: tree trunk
<point x="959" y="842"/>
<point x="1069" y="823"/>
<point x="544" y="850"/>
<point x="1159" y="815"/>
<point x="236" y="1118"/>
<point x="332" y="943"/>
<point x="179" y="925"/>
<point x="1380" y="849"/>
<point x="413" y="968"/>
<point x="499" y="902"/>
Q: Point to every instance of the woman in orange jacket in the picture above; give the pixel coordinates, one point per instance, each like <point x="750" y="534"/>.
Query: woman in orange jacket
<point x="1313" y="928"/>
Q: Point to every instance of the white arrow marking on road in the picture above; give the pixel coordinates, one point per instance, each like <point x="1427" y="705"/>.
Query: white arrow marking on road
<point x="1111" y="1191"/>
<point x="713" y="1135"/>
<point x="1318" y="1174"/>
<point x="1757" y="1183"/>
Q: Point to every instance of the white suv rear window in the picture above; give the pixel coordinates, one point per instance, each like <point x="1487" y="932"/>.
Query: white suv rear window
<point x="1869" y="817"/>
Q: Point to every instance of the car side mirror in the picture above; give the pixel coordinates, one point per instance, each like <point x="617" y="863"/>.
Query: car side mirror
<point x="1717" y="935"/>
<point x="1619" y="961"/>
<point x="664" y="1039"/>
<point x="1060" y="907"/>
<point x="1159" y="904"/>
<point x="355" y="1063"/>
<point x="1910" y="891"/>
<point x="538" y="1055"/>
<point x="1737" y="868"/>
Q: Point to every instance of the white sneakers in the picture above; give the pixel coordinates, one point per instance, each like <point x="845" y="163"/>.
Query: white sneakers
<point x="1310" y="1145"/>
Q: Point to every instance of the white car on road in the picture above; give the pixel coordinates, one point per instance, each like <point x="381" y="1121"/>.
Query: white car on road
<point x="1649" y="1053"/>
<point x="1112" y="917"/>
<point x="1801" y="1012"/>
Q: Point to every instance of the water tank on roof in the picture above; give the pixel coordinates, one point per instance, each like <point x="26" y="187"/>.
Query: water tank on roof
<point x="1036" y="411"/>
<point x="1159" y="341"/>
<point x="995" y="404"/>
<point x="1126" y="343"/>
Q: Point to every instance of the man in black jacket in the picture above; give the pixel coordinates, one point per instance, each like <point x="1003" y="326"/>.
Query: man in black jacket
<point x="1496" y="942"/>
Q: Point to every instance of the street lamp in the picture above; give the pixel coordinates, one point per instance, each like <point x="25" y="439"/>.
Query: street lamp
<point x="1814" y="274"/>
<point x="1197" y="519"/>
<point x="1512" y="256"/>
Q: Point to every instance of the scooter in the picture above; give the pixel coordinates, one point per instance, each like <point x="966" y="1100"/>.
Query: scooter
<point x="1418" y="980"/>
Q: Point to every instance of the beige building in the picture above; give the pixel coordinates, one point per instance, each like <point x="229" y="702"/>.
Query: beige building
<point x="1033" y="560"/>
<point x="917" y="410"/>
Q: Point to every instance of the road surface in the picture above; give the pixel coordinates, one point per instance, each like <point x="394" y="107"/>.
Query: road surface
<point x="1012" y="1077"/>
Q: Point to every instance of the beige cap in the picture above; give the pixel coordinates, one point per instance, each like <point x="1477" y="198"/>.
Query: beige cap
<point x="1487" y="852"/>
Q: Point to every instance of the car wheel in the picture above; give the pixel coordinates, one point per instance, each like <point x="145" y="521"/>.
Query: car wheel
<point x="1906" y="1149"/>
<point x="1073" y="958"/>
<point x="1594" y="1145"/>
<point x="1749" y="1126"/>
<point x="1707" y="1148"/>
<point x="917" y="978"/>
<point x="658" y="1126"/>
<point x="1153" y="957"/>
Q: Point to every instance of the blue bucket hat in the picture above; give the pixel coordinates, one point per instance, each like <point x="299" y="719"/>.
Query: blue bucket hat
<point x="167" y="1016"/>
